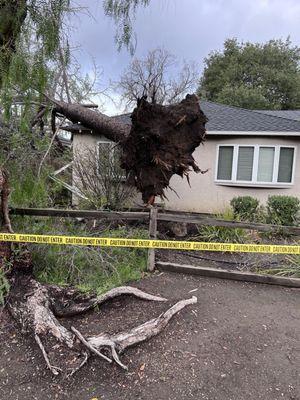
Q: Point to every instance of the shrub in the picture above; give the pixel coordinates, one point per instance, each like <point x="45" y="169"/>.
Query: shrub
<point x="222" y="234"/>
<point x="100" y="179"/>
<point x="245" y="208"/>
<point x="283" y="210"/>
<point x="29" y="191"/>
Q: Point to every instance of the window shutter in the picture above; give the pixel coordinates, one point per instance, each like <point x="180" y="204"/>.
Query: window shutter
<point x="225" y="162"/>
<point x="265" y="164"/>
<point x="245" y="163"/>
<point x="285" y="169"/>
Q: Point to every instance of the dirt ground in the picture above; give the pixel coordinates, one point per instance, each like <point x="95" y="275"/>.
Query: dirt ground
<point x="241" y="341"/>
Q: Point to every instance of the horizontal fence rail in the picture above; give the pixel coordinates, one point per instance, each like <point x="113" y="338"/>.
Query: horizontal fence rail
<point x="167" y="216"/>
<point x="91" y="214"/>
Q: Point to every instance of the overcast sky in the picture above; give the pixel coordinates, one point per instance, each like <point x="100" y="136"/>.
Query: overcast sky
<point x="189" y="29"/>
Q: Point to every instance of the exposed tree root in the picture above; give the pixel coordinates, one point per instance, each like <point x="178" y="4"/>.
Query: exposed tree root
<point x="37" y="307"/>
<point x="30" y="304"/>
<point x="54" y="370"/>
<point x="121" y="341"/>
<point x="72" y="303"/>
<point x="161" y="143"/>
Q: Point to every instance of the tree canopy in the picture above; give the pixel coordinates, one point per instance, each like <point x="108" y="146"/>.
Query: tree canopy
<point x="152" y="77"/>
<point x="253" y="75"/>
<point x="38" y="28"/>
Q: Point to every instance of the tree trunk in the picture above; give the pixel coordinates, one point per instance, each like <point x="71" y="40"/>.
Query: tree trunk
<point x="99" y="123"/>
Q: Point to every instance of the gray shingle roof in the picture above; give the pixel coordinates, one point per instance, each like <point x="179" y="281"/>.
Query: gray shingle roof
<point x="290" y="114"/>
<point x="234" y="119"/>
<point x="227" y="118"/>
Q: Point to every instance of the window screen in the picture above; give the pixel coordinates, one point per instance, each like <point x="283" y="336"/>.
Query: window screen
<point x="265" y="164"/>
<point x="245" y="163"/>
<point x="285" y="168"/>
<point x="225" y="162"/>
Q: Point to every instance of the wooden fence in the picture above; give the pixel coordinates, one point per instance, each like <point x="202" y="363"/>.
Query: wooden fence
<point x="153" y="215"/>
<point x="161" y="215"/>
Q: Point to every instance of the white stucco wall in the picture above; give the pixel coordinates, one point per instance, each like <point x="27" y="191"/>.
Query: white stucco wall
<point x="205" y="195"/>
<point x="81" y="143"/>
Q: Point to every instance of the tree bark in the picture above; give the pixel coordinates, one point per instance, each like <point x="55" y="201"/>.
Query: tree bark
<point x="94" y="120"/>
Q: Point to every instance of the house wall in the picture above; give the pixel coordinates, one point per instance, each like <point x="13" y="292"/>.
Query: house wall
<point x="205" y="195"/>
<point x="81" y="145"/>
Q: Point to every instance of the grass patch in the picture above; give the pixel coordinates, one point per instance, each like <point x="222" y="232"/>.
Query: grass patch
<point x="290" y="269"/>
<point x="221" y="234"/>
<point x="90" y="269"/>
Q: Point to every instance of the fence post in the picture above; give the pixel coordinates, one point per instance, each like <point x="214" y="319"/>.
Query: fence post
<point x="152" y="235"/>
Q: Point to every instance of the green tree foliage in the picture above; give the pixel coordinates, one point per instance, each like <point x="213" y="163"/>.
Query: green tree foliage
<point x="122" y="11"/>
<point x="41" y="23"/>
<point x="33" y="33"/>
<point x="253" y="75"/>
<point x="35" y="57"/>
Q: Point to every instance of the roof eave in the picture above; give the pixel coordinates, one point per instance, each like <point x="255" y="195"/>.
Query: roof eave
<point x="253" y="133"/>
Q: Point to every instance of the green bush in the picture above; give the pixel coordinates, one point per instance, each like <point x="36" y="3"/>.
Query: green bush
<point x="283" y="210"/>
<point x="27" y="190"/>
<point x="222" y="234"/>
<point x="245" y="208"/>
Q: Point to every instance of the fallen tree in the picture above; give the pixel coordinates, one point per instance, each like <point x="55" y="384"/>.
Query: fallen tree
<point x="159" y="144"/>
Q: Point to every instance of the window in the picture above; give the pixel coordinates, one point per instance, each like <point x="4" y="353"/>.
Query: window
<point x="255" y="164"/>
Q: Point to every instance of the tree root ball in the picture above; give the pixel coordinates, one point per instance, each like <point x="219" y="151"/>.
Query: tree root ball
<point x="161" y="142"/>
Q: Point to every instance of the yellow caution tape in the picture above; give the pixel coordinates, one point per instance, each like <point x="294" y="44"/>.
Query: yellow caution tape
<point x="150" y="243"/>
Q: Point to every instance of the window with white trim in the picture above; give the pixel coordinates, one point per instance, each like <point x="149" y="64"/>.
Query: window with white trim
<point x="258" y="164"/>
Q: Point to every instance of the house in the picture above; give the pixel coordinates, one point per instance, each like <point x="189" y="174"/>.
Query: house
<point x="246" y="152"/>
